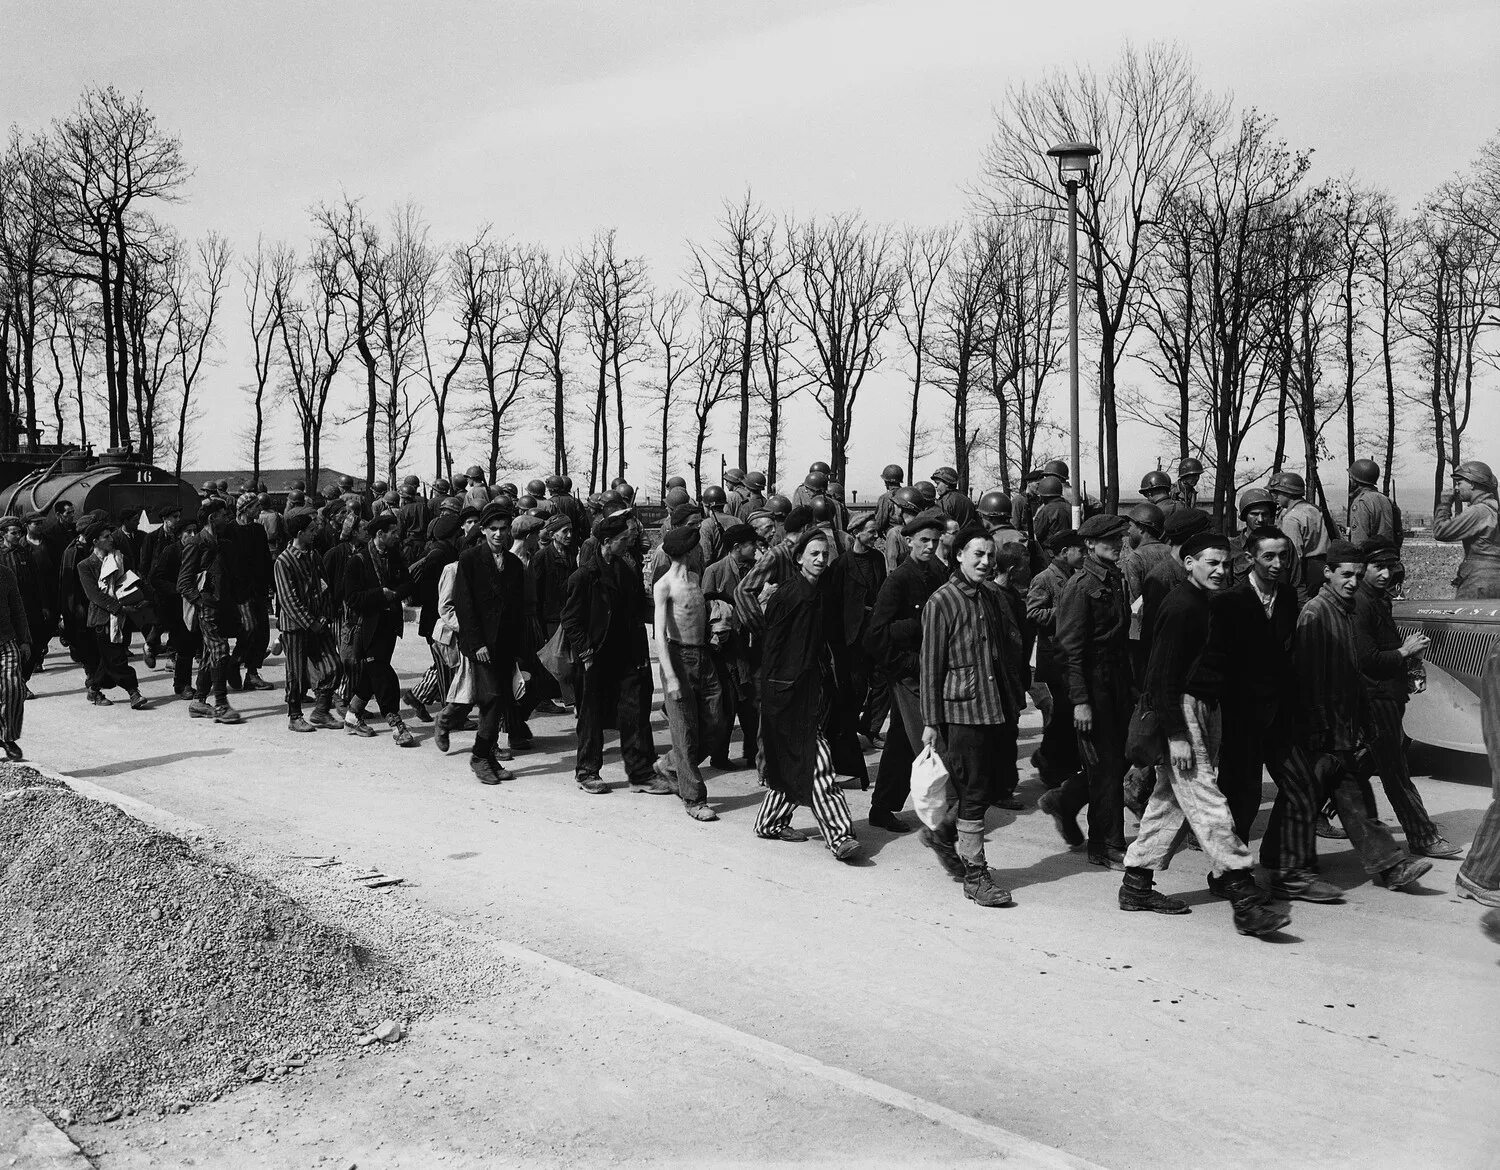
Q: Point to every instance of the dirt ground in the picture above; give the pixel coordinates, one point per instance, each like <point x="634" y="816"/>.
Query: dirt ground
<point x="708" y="997"/>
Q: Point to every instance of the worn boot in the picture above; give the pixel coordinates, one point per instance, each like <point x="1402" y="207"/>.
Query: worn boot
<point x="295" y="721"/>
<point x="1136" y="893"/>
<point x="322" y="714"/>
<point x="399" y="732"/>
<point x="354" y="720"/>
<point x="940" y="841"/>
<point x="1254" y="912"/>
<point x="416" y="704"/>
<point x="440" y="733"/>
<point x="979" y="887"/>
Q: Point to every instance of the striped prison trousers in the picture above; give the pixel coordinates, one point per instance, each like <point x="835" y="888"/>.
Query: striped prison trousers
<point x="12" y="692"/>
<point x="829" y="808"/>
<point x="312" y="663"/>
<point x="433" y="686"/>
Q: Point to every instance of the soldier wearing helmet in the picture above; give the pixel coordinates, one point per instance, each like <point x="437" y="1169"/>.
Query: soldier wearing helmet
<point x="715" y="524"/>
<point x="1053" y="513"/>
<point x="952" y="501"/>
<point x="1257" y="509"/>
<point x="1144" y="551"/>
<point x="994" y="511"/>
<point x="1156" y="489"/>
<point x="734" y="488"/>
<point x="1370" y="515"/>
<point x="1476" y="525"/>
<point x="1305" y="531"/>
<point x="559" y="491"/>
<point x="1186" y="492"/>
<point x="905" y="503"/>
<point x="886" y="516"/>
<point x="752" y="496"/>
<point x="814" y="484"/>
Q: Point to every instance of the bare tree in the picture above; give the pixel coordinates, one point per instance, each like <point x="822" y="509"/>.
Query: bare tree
<point x="715" y="363"/>
<point x="680" y="355"/>
<point x="740" y="273"/>
<point x="848" y="282"/>
<point x="924" y="257"/>
<point x="615" y="299"/>
<point x="1390" y="238"/>
<point x="194" y="290"/>
<point x="349" y="251"/>
<point x="549" y="301"/>
<point x="1147" y="114"/>
<point x="316" y="335"/>
<point x="776" y="382"/>
<point x="958" y="332"/>
<point x="268" y="274"/>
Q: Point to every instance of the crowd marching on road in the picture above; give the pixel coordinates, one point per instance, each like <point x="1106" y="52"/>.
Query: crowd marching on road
<point x="1171" y="663"/>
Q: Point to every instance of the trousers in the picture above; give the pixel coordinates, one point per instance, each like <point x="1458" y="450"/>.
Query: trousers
<point x="375" y="677"/>
<point x="113" y="667"/>
<point x="829" y="808"/>
<point x="739" y="704"/>
<point x="255" y="634"/>
<point x="1101" y="784"/>
<point x="1057" y="757"/>
<point x="622" y="696"/>
<point x="1373" y="842"/>
<point x="972" y="753"/>
<point x="903" y="743"/>
<point x="12" y="692"/>
<point x="312" y="663"/>
<point x="694" y="718"/>
<point x="1191" y="796"/>
<point x="1388" y="757"/>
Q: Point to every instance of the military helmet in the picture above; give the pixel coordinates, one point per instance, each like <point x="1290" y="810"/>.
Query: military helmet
<point x="1254" y="498"/>
<point x="714" y="496"/>
<point x="1056" y="467"/>
<point x="823" y="509"/>
<point x="908" y="500"/>
<point x="779" y="506"/>
<point x="946" y="475"/>
<point x="1148" y="516"/>
<point x="1289" y="483"/>
<point x="892" y="474"/>
<point x="734" y="476"/>
<point x="1049" y="487"/>
<point x="816" y="482"/>
<point x="820" y="467"/>
<point x="926" y="490"/>
<point x="1189" y="466"/>
<point x="1156" y="481"/>
<point x="1365" y="471"/>
<point x="995" y="505"/>
<point x="755" y="480"/>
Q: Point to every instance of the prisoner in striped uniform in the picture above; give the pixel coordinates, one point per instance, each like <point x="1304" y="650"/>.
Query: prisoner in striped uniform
<point x="303" y="606"/>
<point x="15" y="652"/>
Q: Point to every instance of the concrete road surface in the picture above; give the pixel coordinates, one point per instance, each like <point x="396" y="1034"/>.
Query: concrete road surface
<point x="1368" y="1035"/>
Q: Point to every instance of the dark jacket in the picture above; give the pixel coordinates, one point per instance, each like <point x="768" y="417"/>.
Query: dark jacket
<point x="255" y="560"/>
<point x="1051" y="517"/>
<point x="1187" y="657"/>
<point x="489" y="601"/>
<point x="23" y="568"/>
<point x="1041" y="608"/>
<point x="1093" y="636"/>
<point x="13" y="624"/>
<point x="367" y="610"/>
<point x="211" y="559"/>
<point x="1260" y="683"/>
<point x="426" y="572"/>
<point x="549" y="571"/>
<point x="895" y="635"/>
<point x="607" y="609"/>
<point x="101" y="605"/>
<point x="854" y="582"/>
<point x="1378" y="643"/>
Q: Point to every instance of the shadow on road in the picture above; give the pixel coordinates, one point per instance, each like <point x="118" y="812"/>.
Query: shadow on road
<point x="148" y="762"/>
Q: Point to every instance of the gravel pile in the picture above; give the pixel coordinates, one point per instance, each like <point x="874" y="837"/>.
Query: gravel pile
<point x="136" y="974"/>
<point x="1430" y="568"/>
<point x="14" y="777"/>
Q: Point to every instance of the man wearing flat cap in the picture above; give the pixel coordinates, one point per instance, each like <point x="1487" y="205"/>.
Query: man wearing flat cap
<point x="1335" y="716"/>
<point x="1093" y="643"/>
<point x="1167" y="572"/>
<point x="694" y="699"/>
<point x="1476" y="525"/>
<point x="895" y="644"/>
<point x="604" y="619"/>
<point x="1387" y="660"/>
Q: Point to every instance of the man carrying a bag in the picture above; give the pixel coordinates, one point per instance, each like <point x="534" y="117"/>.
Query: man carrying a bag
<point x="972" y="691"/>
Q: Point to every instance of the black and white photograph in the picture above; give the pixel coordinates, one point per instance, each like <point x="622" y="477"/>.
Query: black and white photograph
<point x="1018" y="483"/>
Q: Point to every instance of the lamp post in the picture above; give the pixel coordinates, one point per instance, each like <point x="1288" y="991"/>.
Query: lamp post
<point x="1074" y="160"/>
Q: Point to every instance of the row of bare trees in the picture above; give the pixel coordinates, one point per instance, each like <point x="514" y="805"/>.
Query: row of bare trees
<point x="1252" y="315"/>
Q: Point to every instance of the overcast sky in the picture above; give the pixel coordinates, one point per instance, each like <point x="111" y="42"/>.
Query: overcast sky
<point x="551" y="118"/>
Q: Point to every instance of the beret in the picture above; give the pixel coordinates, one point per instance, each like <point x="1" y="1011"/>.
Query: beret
<point x="1202" y="541"/>
<point x="1341" y="552"/>
<point x="612" y="526"/>
<point x="737" y="534"/>
<point x="680" y="513"/>
<point x="1185" y="522"/>
<point x="209" y="506"/>
<point x="10" y="522"/>
<point x="525" y="526"/>
<point x="444" y="526"/>
<point x="923" y="522"/>
<point x="169" y="510"/>
<point x="95" y="530"/>
<point x="759" y="514"/>
<point x="496" y="510"/>
<point x="556" y="523"/>
<point x="678" y="542"/>
<point x="298" y="523"/>
<point x="470" y="513"/>
<point x="1103" y="527"/>
<point x="381" y="523"/>
<point x="798" y="519"/>
<point x="1064" y="539"/>
<point x="970" y="532"/>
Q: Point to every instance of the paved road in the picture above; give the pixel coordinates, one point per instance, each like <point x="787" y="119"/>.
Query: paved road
<point x="1369" y="1035"/>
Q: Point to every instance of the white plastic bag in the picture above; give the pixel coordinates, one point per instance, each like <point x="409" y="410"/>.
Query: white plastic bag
<point x="929" y="788"/>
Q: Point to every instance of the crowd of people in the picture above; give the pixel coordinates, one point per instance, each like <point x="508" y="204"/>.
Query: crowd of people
<point x="1171" y="662"/>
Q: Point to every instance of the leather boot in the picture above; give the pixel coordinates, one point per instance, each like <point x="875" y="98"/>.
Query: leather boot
<point x="1254" y="912"/>
<point x="1136" y="893"/>
<point x="940" y="841"/>
<point x="978" y="885"/>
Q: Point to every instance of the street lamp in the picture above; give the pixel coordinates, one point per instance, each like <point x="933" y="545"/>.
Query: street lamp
<point x="1074" y="161"/>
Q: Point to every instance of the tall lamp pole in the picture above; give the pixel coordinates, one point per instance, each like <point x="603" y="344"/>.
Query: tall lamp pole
<point x="1074" y="160"/>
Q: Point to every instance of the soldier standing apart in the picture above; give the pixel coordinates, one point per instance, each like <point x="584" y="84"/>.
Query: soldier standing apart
<point x="694" y="700"/>
<point x="1189" y="471"/>
<point x="1304" y="528"/>
<point x="1185" y="679"/>
<point x="1370" y="515"/>
<point x="1156" y="487"/>
<point x="1053" y="513"/>
<point x="1093" y="640"/>
<point x="1476" y="525"/>
<point x="971" y="693"/>
<point x="953" y="502"/>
